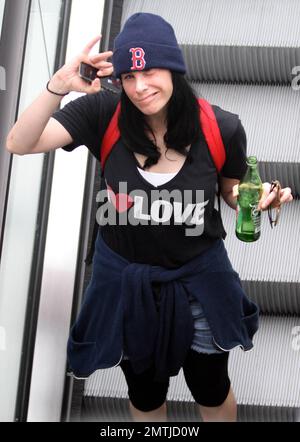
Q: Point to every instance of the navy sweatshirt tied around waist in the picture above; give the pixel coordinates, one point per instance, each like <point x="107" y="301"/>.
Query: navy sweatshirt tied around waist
<point x="120" y="310"/>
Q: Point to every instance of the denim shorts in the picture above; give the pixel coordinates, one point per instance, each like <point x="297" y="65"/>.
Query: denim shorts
<point x="203" y="338"/>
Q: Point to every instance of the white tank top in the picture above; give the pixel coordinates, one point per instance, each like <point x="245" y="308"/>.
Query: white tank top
<point x="156" y="178"/>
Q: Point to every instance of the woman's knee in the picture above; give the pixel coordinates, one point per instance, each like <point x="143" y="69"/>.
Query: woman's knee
<point x="207" y="377"/>
<point x="144" y="393"/>
<point x="147" y="402"/>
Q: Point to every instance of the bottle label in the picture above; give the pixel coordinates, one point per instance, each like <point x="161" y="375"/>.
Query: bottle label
<point x="256" y="217"/>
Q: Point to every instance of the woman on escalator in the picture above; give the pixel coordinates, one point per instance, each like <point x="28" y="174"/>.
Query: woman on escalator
<point x="163" y="294"/>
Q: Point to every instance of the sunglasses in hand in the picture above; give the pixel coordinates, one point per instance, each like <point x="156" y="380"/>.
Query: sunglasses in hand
<point x="274" y="221"/>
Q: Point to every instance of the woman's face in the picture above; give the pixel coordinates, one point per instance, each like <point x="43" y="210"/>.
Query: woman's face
<point x="150" y="90"/>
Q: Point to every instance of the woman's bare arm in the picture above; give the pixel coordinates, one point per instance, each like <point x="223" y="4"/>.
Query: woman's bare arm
<point x="35" y="131"/>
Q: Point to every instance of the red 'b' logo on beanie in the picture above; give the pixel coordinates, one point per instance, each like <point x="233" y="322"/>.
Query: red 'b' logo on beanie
<point x="138" y="60"/>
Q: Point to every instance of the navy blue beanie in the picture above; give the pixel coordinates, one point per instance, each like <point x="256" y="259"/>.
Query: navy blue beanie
<point x="146" y="41"/>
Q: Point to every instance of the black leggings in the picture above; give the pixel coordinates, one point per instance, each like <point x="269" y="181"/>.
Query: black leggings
<point x="206" y="376"/>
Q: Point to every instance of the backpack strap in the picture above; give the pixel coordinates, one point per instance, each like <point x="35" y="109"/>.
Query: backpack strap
<point x="110" y="138"/>
<point x="212" y="134"/>
<point x="213" y="137"/>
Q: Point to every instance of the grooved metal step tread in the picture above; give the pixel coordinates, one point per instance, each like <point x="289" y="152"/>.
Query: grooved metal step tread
<point x="274" y="297"/>
<point x="96" y="409"/>
<point x="227" y="22"/>
<point x="287" y="173"/>
<point x="244" y="64"/>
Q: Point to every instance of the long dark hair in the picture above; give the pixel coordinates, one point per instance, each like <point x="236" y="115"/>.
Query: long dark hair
<point x="182" y="123"/>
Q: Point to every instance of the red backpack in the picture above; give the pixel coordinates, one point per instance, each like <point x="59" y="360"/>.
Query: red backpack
<point x="211" y="133"/>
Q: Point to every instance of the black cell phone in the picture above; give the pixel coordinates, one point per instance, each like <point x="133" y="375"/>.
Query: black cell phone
<point x="89" y="73"/>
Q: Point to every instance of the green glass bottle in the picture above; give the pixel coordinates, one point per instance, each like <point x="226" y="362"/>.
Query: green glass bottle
<point x="248" y="218"/>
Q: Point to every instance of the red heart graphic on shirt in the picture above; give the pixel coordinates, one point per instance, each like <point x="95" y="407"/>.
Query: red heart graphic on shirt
<point x="121" y="201"/>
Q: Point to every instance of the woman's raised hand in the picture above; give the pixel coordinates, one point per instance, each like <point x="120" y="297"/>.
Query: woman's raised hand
<point x="67" y="78"/>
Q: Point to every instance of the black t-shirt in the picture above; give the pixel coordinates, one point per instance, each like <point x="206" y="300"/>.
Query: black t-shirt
<point x="165" y="225"/>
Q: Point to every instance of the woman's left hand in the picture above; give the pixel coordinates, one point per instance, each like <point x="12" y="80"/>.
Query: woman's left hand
<point x="273" y="199"/>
